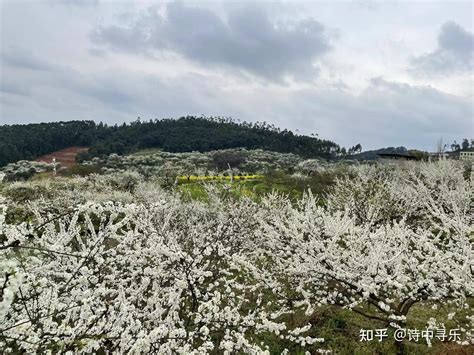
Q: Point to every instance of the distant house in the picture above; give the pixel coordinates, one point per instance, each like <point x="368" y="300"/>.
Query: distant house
<point x="466" y="155"/>
<point x="395" y="157"/>
<point x="445" y="155"/>
<point x="457" y="154"/>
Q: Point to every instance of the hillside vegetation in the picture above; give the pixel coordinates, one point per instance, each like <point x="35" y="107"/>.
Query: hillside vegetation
<point x="186" y="134"/>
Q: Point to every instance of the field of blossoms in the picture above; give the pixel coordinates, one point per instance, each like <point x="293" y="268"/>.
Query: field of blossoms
<point x="129" y="259"/>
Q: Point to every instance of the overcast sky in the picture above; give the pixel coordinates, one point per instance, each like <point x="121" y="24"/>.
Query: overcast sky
<point x="379" y="73"/>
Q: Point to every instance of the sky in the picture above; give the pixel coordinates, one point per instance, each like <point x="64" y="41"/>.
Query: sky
<point x="378" y="73"/>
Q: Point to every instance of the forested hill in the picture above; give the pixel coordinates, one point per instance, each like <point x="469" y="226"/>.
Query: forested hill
<point x="18" y="142"/>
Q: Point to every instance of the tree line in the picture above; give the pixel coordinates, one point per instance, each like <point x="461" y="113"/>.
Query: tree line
<point x="190" y="133"/>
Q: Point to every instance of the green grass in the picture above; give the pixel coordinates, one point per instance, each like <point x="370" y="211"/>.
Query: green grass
<point x="255" y="186"/>
<point x="208" y="178"/>
<point x="340" y="328"/>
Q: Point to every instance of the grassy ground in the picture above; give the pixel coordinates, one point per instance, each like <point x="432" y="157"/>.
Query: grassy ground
<point x="340" y="328"/>
<point x="255" y="186"/>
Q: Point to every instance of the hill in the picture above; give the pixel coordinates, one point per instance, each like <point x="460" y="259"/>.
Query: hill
<point x="373" y="154"/>
<point x="28" y="142"/>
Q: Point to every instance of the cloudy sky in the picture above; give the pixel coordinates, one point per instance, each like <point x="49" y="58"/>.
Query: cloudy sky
<point x="382" y="73"/>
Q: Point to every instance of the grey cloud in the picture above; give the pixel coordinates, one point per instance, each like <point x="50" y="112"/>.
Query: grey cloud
<point x="109" y="96"/>
<point x="455" y="52"/>
<point x="10" y="88"/>
<point x="47" y="74"/>
<point x="19" y="58"/>
<point x="247" y="40"/>
<point x="385" y="114"/>
<point x="58" y="88"/>
<point x="77" y="2"/>
<point x="96" y="52"/>
<point x="410" y="111"/>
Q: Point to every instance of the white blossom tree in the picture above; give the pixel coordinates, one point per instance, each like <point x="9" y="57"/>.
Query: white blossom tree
<point x="113" y="263"/>
<point x="163" y="277"/>
<point x="387" y="241"/>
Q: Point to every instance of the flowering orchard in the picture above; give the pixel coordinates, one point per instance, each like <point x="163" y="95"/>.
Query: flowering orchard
<point x="108" y="263"/>
<point x="165" y="276"/>
<point x="387" y="240"/>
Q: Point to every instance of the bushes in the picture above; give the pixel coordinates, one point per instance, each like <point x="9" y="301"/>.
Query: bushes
<point x="23" y="170"/>
<point x="81" y="170"/>
<point x="224" y="160"/>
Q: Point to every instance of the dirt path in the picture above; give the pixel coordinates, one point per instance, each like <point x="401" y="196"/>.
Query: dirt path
<point x="66" y="157"/>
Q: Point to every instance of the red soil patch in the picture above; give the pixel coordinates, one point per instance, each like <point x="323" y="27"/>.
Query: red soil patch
<point x="66" y="157"/>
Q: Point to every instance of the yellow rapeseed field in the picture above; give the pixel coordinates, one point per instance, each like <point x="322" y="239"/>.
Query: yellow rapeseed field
<point x="197" y="178"/>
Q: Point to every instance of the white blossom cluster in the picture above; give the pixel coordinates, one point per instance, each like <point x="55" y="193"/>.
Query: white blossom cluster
<point x="388" y="237"/>
<point x="128" y="267"/>
<point x="164" y="276"/>
<point x="162" y="163"/>
<point x="23" y="169"/>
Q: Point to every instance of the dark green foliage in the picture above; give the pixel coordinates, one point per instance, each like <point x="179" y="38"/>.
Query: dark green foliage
<point x="420" y="155"/>
<point x="185" y="134"/>
<point x="81" y="170"/>
<point x="27" y="142"/>
<point x="223" y="160"/>
<point x="374" y="154"/>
